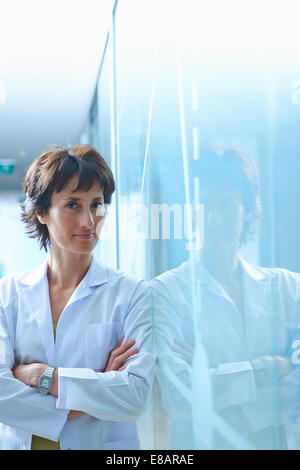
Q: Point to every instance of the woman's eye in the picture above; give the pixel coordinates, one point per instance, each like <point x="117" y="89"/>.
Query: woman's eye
<point x="71" y="205"/>
<point x="74" y="205"/>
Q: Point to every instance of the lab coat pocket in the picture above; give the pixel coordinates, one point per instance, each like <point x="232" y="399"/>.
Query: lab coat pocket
<point x="100" y="339"/>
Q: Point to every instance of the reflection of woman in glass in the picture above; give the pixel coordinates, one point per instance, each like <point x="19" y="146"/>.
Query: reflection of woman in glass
<point x="75" y="336"/>
<point x="245" y="313"/>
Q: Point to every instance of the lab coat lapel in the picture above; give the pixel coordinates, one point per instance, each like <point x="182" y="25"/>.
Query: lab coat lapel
<point x="219" y="319"/>
<point x="37" y="297"/>
<point x="36" y="294"/>
<point x="257" y="288"/>
<point x="205" y="281"/>
<point x="259" y="306"/>
<point x="96" y="275"/>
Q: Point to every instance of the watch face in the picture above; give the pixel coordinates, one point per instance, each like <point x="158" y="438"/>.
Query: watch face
<point x="45" y="382"/>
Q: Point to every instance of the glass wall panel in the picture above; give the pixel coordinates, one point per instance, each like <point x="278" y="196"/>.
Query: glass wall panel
<point x="204" y="132"/>
<point x="226" y="328"/>
<point x="100" y="132"/>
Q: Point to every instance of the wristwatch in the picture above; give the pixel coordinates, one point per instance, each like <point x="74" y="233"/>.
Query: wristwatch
<point x="46" y="380"/>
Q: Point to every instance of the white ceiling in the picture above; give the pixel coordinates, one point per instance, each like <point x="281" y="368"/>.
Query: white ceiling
<point x="50" y="53"/>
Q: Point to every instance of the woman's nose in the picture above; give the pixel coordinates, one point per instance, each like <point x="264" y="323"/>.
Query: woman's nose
<point x="87" y="219"/>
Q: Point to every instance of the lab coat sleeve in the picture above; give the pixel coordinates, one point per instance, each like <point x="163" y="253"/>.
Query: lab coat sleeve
<point x="173" y="369"/>
<point x="231" y="383"/>
<point x="116" y="395"/>
<point x="22" y="406"/>
<point x="285" y="406"/>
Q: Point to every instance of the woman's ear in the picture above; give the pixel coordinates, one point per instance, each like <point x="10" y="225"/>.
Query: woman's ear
<point x="41" y="216"/>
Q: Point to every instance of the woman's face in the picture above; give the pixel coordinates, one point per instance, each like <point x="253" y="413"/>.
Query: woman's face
<point x="75" y="219"/>
<point x="225" y="216"/>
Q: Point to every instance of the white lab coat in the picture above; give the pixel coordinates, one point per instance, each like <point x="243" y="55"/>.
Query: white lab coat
<point x="106" y="305"/>
<point x="272" y="320"/>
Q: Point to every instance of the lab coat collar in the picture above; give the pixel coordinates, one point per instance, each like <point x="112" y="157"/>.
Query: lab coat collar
<point x="257" y="283"/>
<point x="255" y="272"/>
<point x="97" y="274"/>
<point x="202" y="278"/>
<point x="252" y="277"/>
<point x="198" y="271"/>
<point x="36" y="275"/>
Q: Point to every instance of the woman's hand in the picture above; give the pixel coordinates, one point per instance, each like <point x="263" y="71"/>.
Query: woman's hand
<point x="266" y="367"/>
<point x="29" y="374"/>
<point x="75" y="414"/>
<point x="120" y="354"/>
<point x="117" y="357"/>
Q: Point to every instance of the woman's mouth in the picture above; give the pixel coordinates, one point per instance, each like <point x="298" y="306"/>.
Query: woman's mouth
<point x="85" y="236"/>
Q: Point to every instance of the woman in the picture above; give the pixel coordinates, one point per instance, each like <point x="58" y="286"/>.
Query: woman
<point x="224" y="327"/>
<point x="76" y="356"/>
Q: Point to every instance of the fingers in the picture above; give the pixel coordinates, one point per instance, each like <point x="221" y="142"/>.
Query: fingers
<point x="119" y="342"/>
<point x="120" y="354"/>
<point x="120" y="348"/>
<point x="116" y="351"/>
<point x="125" y="357"/>
<point x="74" y="414"/>
<point x="127" y="345"/>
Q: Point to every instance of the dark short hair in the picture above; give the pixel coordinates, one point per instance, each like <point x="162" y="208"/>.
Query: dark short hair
<point x="52" y="171"/>
<point x="217" y="165"/>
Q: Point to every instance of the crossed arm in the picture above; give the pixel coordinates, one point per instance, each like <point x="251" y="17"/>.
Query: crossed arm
<point x="29" y="374"/>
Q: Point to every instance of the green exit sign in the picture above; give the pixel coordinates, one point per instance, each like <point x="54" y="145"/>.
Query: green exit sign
<point x="7" y="167"/>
